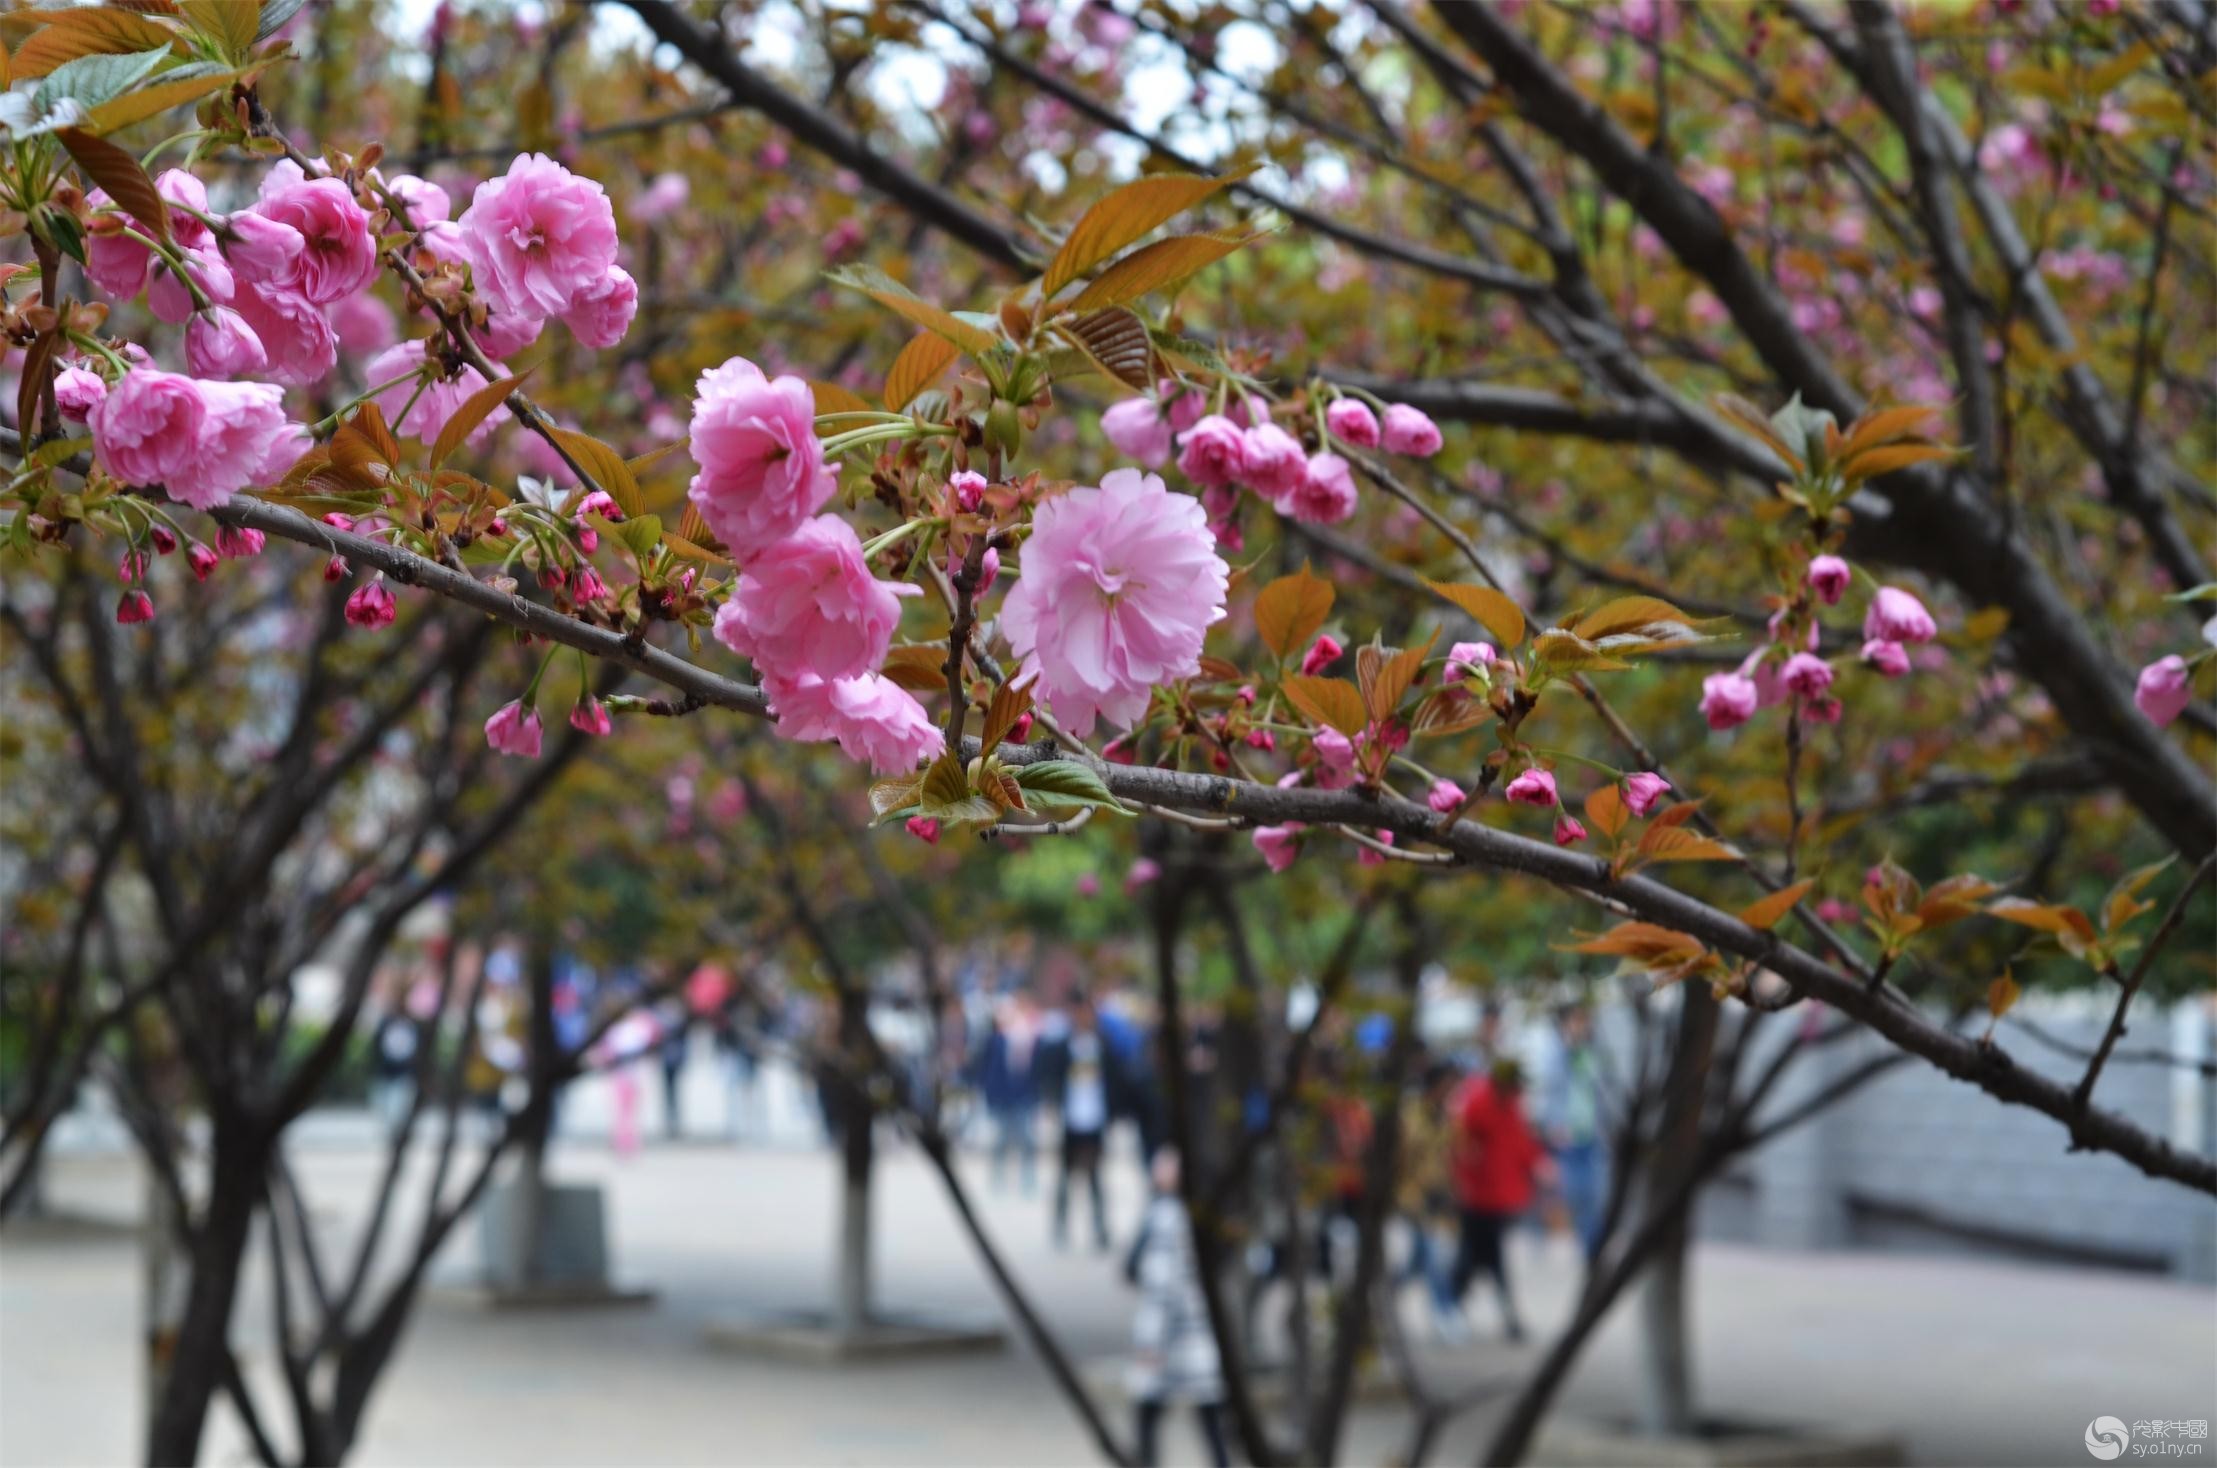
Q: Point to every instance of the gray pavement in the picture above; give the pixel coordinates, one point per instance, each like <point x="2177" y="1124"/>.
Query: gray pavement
<point x="1968" y="1362"/>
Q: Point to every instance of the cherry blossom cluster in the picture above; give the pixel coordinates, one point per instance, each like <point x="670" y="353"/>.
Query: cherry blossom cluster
<point x="1242" y="445"/>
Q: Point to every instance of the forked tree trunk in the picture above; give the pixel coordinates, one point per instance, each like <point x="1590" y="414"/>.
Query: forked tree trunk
<point x="194" y="1356"/>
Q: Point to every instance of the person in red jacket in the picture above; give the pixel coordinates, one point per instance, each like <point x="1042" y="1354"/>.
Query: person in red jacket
<point x="1498" y="1162"/>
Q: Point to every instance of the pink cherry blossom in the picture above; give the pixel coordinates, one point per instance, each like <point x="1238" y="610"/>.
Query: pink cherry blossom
<point x="1213" y="452"/>
<point x="538" y="237"/>
<point x="1279" y="845"/>
<point x="1271" y="462"/>
<point x="762" y="468"/>
<point x="1569" y="830"/>
<point x="2164" y="690"/>
<point x="590" y="716"/>
<point x="1807" y="674"/>
<point x="1445" y="795"/>
<point x="1890" y="659"/>
<point x="1728" y="700"/>
<point x="1533" y="787"/>
<point x="666" y="194"/>
<point x="242" y="424"/>
<point x="147" y="426"/>
<point x="116" y="264"/>
<point x="202" y="560"/>
<point x="433" y="406"/>
<point x="134" y="606"/>
<point x="1897" y="616"/>
<point x="1410" y="431"/>
<point x="240" y="543"/>
<point x="872" y="717"/>
<point x="1138" y="429"/>
<point x="168" y="298"/>
<point x="362" y="323"/>
<point x="924" y="829"/>
<point x="1326" y="493"/>
<point x="1322" y="654"/>
<point x="371" y="606"/>
<point x="602" y="312"/>
<point x="338" y="256"/>
<point x="1642" y="791"/>
<point x="1144" y="871"/>
<point x="219" y="343"/>
<point x="1828" y="578"/>
<point x="299" y="342"/>
<point x="514" y="729"/>
<point x="261" y="250"/>
<point x="1335" y="759"/>
<point x="1466" y="658"/>
<point x="1351" y="422"/>
<point x="969" y="487"/>
<point x="1119" y="586"/>
<point x="77" y="392"/>
<point x="810" y="605"/>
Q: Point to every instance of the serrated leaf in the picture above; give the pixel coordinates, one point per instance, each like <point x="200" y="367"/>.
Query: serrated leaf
<point x="92" y="80"/>
<point x="1628" y="614"/>
<point x="70" y="35"/>
<point x="230" y="24"/>
<point x="2002" y="994"/>
<point x="1011" y="701"/>
<point x="1871" y="463"/>
<point x="120" y="174"/>
<point x="1117" y="340"/>
<point x="898" y="298"/>
<point x="273" y="17"/>
<point x="888" y="796"/>
<point x="1123" y="217"/>
<point x="1952" y="900"/>
<point x="2123" y="903"/>
<point x="1155" y="267"/>
<point x="475" y="409"/>
<point x="692" y="550"/>
<point x="919" y="667"/>
<point x="1763" y="913"/>
<point x="920" y="362"/>
<point x="38" y="363"/>
<point x="1564" y="651"/>
<point x="1063" y="782"/>
<point x="1675" y="843"/>
<point x="1330" y="701"/>
<point x="1291" y="610"/>
<point x="1448" y="711"/>
<point x="1385" y="680"/>
<point x="641" y="533"/>
<point x="2064" y="922"/>
<point x="1489" y="608"/>
<point x="1606" y="809"/>
<point x="120" y="113"/>
<point x="606" y="466"/>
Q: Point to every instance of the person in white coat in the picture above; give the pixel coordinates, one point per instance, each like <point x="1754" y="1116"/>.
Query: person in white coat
<point x="1174" y="1356"/>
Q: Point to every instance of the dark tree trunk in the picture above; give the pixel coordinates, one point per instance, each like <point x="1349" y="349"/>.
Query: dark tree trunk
<point x="195" y="1357"/>
<point x="1666" y="1378"/>
<point x="851" y="1290"/>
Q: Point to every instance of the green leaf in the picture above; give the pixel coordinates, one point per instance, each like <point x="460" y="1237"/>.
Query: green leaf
<point x="641" y="533"/>
<point x="894" y="296"/>
<point x="274" y="15"/>
<point x="92" y="80"/>
<point x="1122" y="217"/>
<point x="178" y="86"/>
<point x="1158" y="266"/>
<point x="1066" y="782"/>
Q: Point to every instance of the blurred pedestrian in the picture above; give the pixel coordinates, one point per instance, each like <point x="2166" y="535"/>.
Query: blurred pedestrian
<point x="1083" y="1075"/>
<point x="1568" y="1108"/>
<point x="1498" y="1164"/>
<point x="1425" y="1196"/>
<point x="1008" y="1082"/>
<point x="1174" y="1357"/>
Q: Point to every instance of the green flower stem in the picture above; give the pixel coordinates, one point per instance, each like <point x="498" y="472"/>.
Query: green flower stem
<point x="893" y="537"/>
<point x="176" y="265"/>
<point x="330" y="421"/>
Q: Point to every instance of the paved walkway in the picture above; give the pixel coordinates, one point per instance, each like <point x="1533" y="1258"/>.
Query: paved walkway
<point x="1967" y="1362"/>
